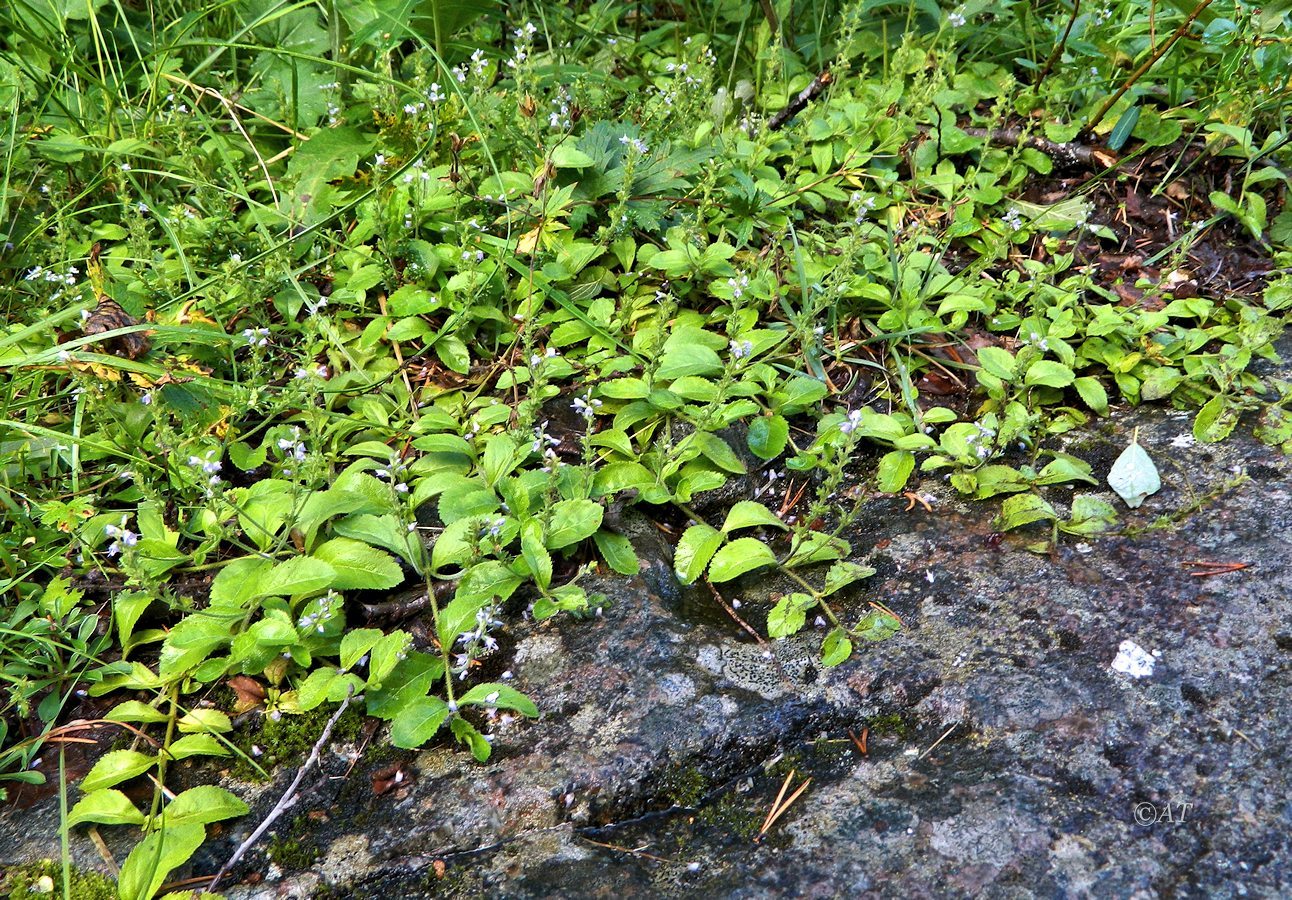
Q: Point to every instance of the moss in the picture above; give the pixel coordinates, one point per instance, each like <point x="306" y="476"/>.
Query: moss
<point x="684" y="786"/>
<point x="891" y="725"/>
<point x="287" y="740"/>
<point x="294" y="851"/>
<point x="732" y="817"/>
<point x="44" y="879"/>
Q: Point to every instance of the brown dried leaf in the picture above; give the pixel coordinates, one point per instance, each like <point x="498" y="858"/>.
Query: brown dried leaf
<point x="109" y="316"/>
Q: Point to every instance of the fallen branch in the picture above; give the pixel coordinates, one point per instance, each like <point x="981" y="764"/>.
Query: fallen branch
<point x="1070" y="155"/>
<point x="287" y="800"/>
<point x="800" y="102"/>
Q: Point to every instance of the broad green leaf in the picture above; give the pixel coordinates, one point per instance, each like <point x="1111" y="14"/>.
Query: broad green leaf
<point x="1049" y="373"/>
<point x="296" y="577"/>
<point x="315" y="688"/>
<point x="202" y="720"/>
<point x="836" y="648"/>
<point x="150" y="863"/>
<point x="694" y="550"/>
<point x="877" y="625"/>
<point x="197" y="745"/>
<point x="357" y="643"/>
<point x="202" y="805"/>
<point x="386" y="654"/>
<point x="718" y="452"/>
<point x="1092" y="393"/>
<point x="573" y="521"/>
<point x="535" y="553"/>
<point x="499" y="696"/>
<point x="115" y="767"/>
<point x="997" y="361"/>
<point x="748" y="514"/>
<point x="814" y="547"/>
<point x="618" y="552"/>
<point x="842" y="574"/>
<point x="105" y="806"/>
<point x="135" y="711"/>
<point x="1024" y="509"/>
<point x="357" y="566"/>
<point x="895" y="468"/>
<point x="789" y="615"/>
<point x="768" y="436"/>
<point x="468" y="734"/>
<point x="418" y="722"/>
<point x="738" y="557"/>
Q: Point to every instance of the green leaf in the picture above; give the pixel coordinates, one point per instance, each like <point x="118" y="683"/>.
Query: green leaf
<point x="814" y="547"/>
<point x="997" y="361"/>
<point x="738" y="557"/>
<point x="1122" y="130"/>
<point x="768" y="436"/>
<point x="499" y="696"/>
<point x="748" y="514"/>
<point x="202" y="805"/>
<point x="573" y="521"/>
<point x="149" y="865"/>
<point x="789" y="615"/>
<point x="127" y="607"/>
<point x="835" y="648"/>
<point x="1215" y="420"/>
<point x="842" y="574"/>
<point x="718" y="452"/>
<point x="196" y="745"/>
<point x="895" y="468"/>
<point x="535" y="554"/>
<point x="466" y="733"/>
<point x="694" y="550"/>
<point x="1092" y="393"/>
<point x="877" y="626"/>
<point x="1024" y="509"/>
<point x="296" y="577"/>
<point x="315" y="688"/>
<point x="115" y="767"/>
<point x="418" y="722"/>
<point x="355" y="644"/>
<point x="106" y="807"/>
<point x="618" y="552"/>
<point x="566" y="156"/>
<point x="135" y="711"/>
<point x="689" y="359"/>
<point x="358" y="566"/>
<point x="201" y="720"/>
<point x="1049" y="374"/>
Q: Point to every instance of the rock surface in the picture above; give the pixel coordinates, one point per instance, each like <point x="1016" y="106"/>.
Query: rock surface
<point x="1004" y="755"/>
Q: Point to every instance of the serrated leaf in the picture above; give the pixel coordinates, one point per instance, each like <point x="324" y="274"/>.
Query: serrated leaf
<point x="1049" y="374"/>
<point x="135" y="711"/>
<point x="842" y="574"/>
<point x="768" y="436"/>
<point x="355" y="644"/>
<point x="573" y="521"/>
<point x="297" y="576"/>
<point x="106" y="807"/>
<point x="751" y="513"/>
<point x="836" y="648"/>
<point x="618" y="552"/>
<point x="358" y="566"/>
<point x="738" y="557"/>
<point x="149" y="864"/>
<point x="895" y="468"/>
<point x="499" y="696"/>
<point x="789" y="615"/>
<point x="694" y="550"/>
<point x="418" y="722"/>
<point x="203" y="805"/>
<point x="115" y="767"/>
<point x="196" y="745"/>
<point x="1024" y="509"/>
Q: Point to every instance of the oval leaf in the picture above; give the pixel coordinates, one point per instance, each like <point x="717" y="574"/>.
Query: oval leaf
<point x="740" y="556"/>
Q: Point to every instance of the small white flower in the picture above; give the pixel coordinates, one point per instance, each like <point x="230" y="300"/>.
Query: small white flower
<point x="741" y="349"/>
<point x="1013" y="218"/>
<point x="435" y="95"/>
<point x="125" y="167"/>
<point x="956" y="19"/>
<point x="854" y="420"/>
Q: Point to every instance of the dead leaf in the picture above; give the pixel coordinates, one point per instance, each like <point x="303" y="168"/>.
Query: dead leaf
<point x="109" y="316"/>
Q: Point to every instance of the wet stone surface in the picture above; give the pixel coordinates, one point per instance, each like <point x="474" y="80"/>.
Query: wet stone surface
<point x="1003" y="753"/>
